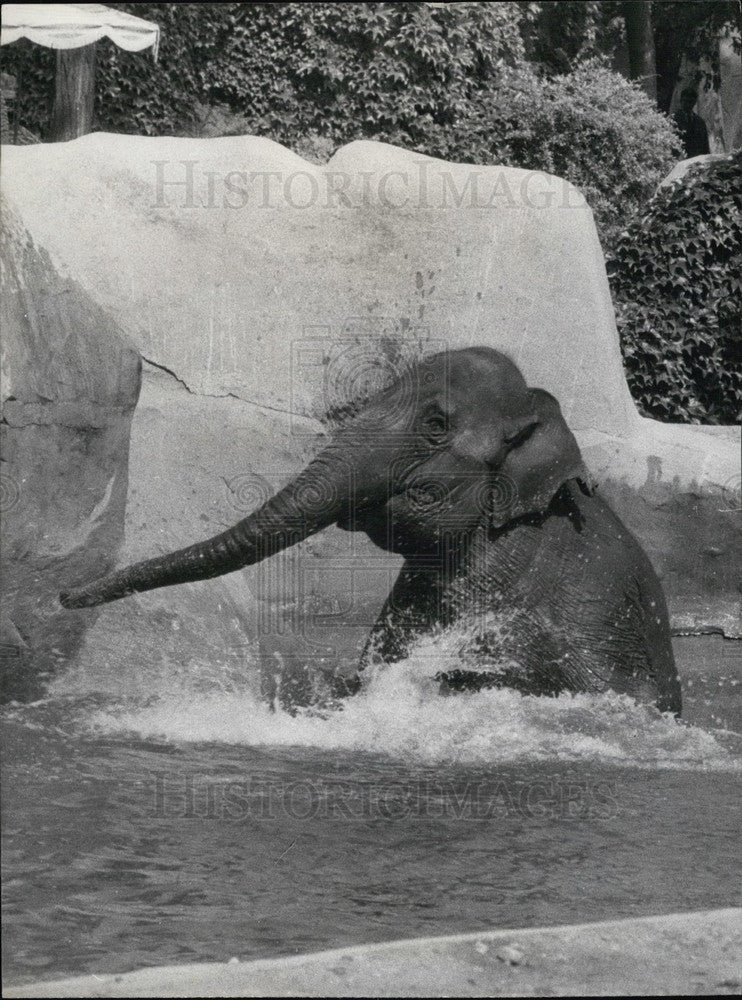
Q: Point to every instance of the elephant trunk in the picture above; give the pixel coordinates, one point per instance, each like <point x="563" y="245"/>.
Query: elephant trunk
<point x="314" y="500"/>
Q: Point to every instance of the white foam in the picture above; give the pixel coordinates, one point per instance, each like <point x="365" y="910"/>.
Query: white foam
<point x="400" y="714"/>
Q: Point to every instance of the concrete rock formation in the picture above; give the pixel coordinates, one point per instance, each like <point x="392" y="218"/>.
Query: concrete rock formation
<point x="262" y="291"/>
<point x="70" y="381"/>
<point x="682" y="167"/>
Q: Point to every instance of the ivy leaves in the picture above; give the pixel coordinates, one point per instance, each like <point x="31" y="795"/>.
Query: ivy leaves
<point x="676" y="279"/>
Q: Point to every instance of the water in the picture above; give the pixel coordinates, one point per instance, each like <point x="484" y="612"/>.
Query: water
<point x="193" y="823"/>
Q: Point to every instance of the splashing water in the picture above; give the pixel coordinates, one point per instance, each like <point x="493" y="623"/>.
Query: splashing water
<point x="400" y="714"/>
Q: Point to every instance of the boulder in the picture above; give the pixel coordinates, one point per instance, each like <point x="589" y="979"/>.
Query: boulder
<point x="263" y="290"/>
<point x="237" y="266"/>
<point x="682" y="167"/>
<point x="70" y="381"/>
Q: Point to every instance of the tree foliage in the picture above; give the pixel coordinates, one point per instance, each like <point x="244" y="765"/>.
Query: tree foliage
<point x="561" y="36"/>
<point x="676" y="279"/>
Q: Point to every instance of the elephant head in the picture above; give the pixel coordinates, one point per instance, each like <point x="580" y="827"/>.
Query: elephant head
<point x="457" y="441"/>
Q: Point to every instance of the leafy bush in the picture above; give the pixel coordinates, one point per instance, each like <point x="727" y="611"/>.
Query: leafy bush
<point x="592" y="127"/>
<point x="676" y="279"/>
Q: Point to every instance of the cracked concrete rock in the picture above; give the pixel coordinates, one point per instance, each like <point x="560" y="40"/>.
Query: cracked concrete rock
<point x="70" y="382"/>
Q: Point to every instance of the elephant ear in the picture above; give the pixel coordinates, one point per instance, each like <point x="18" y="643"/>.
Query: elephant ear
<point x="538" y="462"/>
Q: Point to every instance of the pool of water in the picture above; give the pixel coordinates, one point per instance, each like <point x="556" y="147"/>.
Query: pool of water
<point x="179" y="819"/>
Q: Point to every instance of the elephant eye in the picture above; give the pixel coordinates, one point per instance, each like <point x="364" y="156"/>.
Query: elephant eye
<point x="435" y="427"/>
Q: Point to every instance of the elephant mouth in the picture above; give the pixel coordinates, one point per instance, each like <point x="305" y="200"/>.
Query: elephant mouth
<point x="421" y="500"/>
<point x="359" y="517"/>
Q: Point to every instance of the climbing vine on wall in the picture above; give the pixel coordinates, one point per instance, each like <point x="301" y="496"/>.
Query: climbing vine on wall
<point x="676" y="279"/>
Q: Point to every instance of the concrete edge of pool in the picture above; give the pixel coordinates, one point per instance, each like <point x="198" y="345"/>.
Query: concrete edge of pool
<point x="681" y="954"/>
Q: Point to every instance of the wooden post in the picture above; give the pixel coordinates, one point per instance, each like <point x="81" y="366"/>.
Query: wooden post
<point x="74" y="93"/>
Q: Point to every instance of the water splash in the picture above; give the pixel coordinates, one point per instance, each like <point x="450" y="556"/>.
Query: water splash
<point x="400" y="714"/>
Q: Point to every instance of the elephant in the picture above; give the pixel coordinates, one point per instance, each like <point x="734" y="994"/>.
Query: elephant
<point x="476" y="479"/>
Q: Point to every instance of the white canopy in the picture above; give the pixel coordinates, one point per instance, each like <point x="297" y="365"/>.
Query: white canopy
<point x="71" y="25"/>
